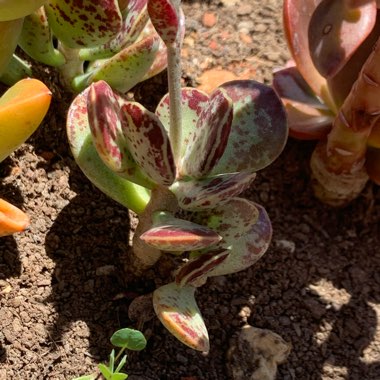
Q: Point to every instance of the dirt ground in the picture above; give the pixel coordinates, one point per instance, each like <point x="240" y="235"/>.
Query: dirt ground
<point x="62" y="283"/>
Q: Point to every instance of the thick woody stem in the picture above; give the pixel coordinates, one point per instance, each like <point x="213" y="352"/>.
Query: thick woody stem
<point x="338" y="164"/>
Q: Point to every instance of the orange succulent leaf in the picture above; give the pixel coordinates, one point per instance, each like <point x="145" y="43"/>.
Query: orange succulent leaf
<point x="22" y="109"/>
<point x="12" y="219"/>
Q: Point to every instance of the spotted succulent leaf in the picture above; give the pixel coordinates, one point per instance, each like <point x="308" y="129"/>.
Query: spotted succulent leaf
<point x="148" y="143"/>
<point x="174" y="234"/>
<point x="259" y="129"/>
<point x="195" y="272"/>
<point x="177" y="310"/>
<point x="80" y="24"/>
<point x="207" y="144"/>
<point x="212" y="191"/>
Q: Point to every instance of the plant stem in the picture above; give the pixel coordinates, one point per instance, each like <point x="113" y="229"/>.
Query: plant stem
<point x="119" y="354"/>
<point x="174" y="84"/>
<point x="73" y="66"/>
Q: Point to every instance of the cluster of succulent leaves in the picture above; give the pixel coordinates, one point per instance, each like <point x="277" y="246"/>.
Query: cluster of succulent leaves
<point x="125" y="339"/>
<point x="86" y="40"/>
<point x="188" y="201"/>
<point x="330" y="90"/>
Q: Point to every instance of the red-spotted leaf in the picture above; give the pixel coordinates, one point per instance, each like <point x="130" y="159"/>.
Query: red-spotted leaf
<point x="134" y="23"/>
<point x="125" y="69"/>
<point x="176" y="308"/>
<point x="165" y="19"/>
<point x="193" y="103"/>
<point x="372" y="164"/>
<point x="259" y="129"/>
<point x="336" y="30"/>
<point x="297" y="15"/>
<point x="195" y="272"/>
<point x="212" y="191"/>
<point x="249" y="247"/>
<point x="209" y="141"/>
<point x="148" y="143"/>
<point x="84" y="23"/>
<point x="176" y="235"/>
<point x="123" y="191"/>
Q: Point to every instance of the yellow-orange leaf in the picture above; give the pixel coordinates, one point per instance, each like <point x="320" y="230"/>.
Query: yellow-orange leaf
<point x="12" y="219"/>
<point x="22" y="109"/>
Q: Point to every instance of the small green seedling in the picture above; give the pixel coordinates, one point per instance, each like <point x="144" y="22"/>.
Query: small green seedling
<point x="125" y="339"/>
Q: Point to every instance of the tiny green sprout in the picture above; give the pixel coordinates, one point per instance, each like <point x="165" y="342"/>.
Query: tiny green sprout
<point x="125" y="339"/>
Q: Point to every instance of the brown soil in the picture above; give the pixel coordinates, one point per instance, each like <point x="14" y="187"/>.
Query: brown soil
<point x="62" y="283"/>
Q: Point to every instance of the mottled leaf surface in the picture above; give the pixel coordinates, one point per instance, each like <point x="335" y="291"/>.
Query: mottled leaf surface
<point x="212" y="191"/>
<point x="193" y="103"/>
<point x="176" y="308"/>
<point x="259" y="129"/>
<point x="209" y="140"/>
<point x="148" y="143"/>
<point x="180" y="235"/>
<point x="336" y="30"/>
<point x="84" y="23"/>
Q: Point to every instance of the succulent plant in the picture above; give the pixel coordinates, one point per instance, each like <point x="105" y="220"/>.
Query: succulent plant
<point x="111" y="40"/>
<point x="331" y="91"/>
<point x="22" y="109"/>
<point x="181" y="169"/>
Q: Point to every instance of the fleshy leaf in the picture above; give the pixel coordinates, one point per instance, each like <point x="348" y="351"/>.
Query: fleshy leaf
<point x="9" y="35"/>
<point x="125" y="69"/>
<point x="210" y="138"/>
<point x="37" y="41"/>
<point x="175" y="234"/>
<point x="129" y="338"/>
<point x="128" y="194"/>
<point x="249" y="247"/>
<point x="336" y="29"/>
<point x="259" y="129"/>
<point x="104" y="117"/>
<point x="297" y="15"/>
<point x="193" y="103"/>
<point x="212" y="191"/>
<point x="165" y="19"/>
<point x="372" y="164"/>
<point x="195" y="272"/>
<point x="12" y="219"/>
<point x="176" y="308"/>
<point x="84" y="23"/>
<point x="12" y="9"/>
<point x="374" y="137"/>
<point x="22" y="109"/>
<point x="16" y="70"/>
<point x="148" y="143"/>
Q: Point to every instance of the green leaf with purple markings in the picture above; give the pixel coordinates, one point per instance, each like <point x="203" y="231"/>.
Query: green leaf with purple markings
<point x="193" y="103"/>
<point x="128" y="194"/>
<point x="131" y="64"/>
<point x="148" y="143"/>
<point x="195" y="272"/>
<point x="165" y="19"/>
<point x="177" y="310"/>
<point x="259" y="130"/>
<point x="207" y="144"/>
<point x="85" y="23"/>
<point x="135" y="20"/>
<point x="14" y="9"/>
<point x="176" y="235"/>
<point x="36" y="39"/>
<point x="104" y="117"/>
<point x="248" y="247"/>
<point x="212" y="191"/>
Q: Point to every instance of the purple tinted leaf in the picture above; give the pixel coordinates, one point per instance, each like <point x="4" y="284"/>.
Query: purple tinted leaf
<point x="84" y="23"/>
<point x="180" y="235"/>
<point x="336" y="30"/>
<point x="194" y="272"/>
<point x="176" y="308"/>
<point x="212" y="191"/>
<point x="289" y="84"/>
<point x="148" y="143"/>
<point x="193" y="103"/>
<point x="165" y="19"/>
<point x="209" y="141"/>
<point x="259" y="130"/>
